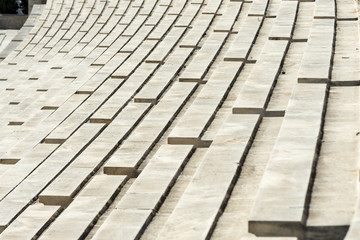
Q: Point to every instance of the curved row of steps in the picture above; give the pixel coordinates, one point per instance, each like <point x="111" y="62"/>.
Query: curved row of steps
<point x="182" y="119"/>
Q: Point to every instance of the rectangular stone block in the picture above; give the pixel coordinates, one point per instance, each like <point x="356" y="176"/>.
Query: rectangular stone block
<point x="324" y="9"/>
<point x="30" y="222"/>
<point x="198" y="209"/>
<point x="202" y="110"/>
<point x="316" y="62"/>
<point x="282" y="200"/>
<point x="195" y="34"/>
<point x="228" y="18"/>
<point x="201" y="62"/>
<point x="85" y="207"/>
<point x="258" y="8"/>
<point x="240" y="48"/>
<point x="130" y="154"/>
<point x="285" y="21"/>
<point x="255" y="94"/>
<point x="158" y="83"/>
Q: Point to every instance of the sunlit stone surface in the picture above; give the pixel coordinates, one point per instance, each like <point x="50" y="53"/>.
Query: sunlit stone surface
<point x="181" y="119"/>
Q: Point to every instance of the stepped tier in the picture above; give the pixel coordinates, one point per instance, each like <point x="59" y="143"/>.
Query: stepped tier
<point x="181" y="119"/>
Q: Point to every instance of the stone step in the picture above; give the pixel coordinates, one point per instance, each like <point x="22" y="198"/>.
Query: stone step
<point x="304" y="20"/>
<point x="177" y="7"/>
<point x="228" y="17"/>
<point x="346" y="70"/>
<point x="197" y="31"/>
<point x="346" y="10"/>
<point x="258" y="8"/>
<point x="234" y="219"/>
<point x="201" y="112"/>
<point x="285" y="21"/>
<point x="64" y="188"/>
<point x="166" y="74"/>
<point x="130" y="154"/>
<point x="146" y="193"/>
<point x="316" y="62"/>
<point x="124" y="217"/>
<point x="241" y="46"/>
<point x="64" y="130"/>
<point x="211" y="7"/>
<point x="164" y="48"/>
<point x="131" y="64"/>
<point x="334" y="194"/>
<point x="136" y="40"/>
<point x="35" y="137"/>
<point x="82" y="212"/>
<point x="255" y="94"/>
<point x="203" y="59"/>
<point x="24" y="166"/>
<point x="200" y="205"/>
<point x="162" y="28"/>
<point x="287" y="79"/>
<point x="282" y="200"/>
<point x="30" y="222"/>
<point x="128" y="89"/>
<point x="354" y="230"/>
<point x="188" y="16"/>
<point x="14" y="202"/>
<point x="324" y="9"/>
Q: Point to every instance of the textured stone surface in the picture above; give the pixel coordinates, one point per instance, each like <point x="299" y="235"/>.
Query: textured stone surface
<point x="199" y="119"/>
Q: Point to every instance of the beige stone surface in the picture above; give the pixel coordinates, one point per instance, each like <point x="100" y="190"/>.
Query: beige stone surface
<point x="99" y="93"/>
<point x="245" y="38"/>
<point x="118" y="100"/>
<point x="285" y="21"/>
<point x="165" y="46"/>
<point x="346" y="10"/>
<point x="129" y="155"/>
<point x="201" y="111"/>
<point x="254" y="95"/>
<point x="345" y="69"/>
<point x="197" y="210"/>
<point x="192" y="39"/>
<point x="188" y="15"/>
<point x="128" y="219"/>
<point x="234" y="220"/>
<point x="324" y="9"/>
<point x="65" y="187"/>
<point x="30" y="222"/>
<point x="287" y="78"/>
<point x="304" y="20"/>
<point x="150" y="187"/>
<point x="67" y="127"/>
<point x="201" y="62"/>
<point x="335" y="190"/>
<point x="164" y="76"/>
<point x="258" y="8"/>
<point x="228" y="17"/>
<point x="17" y="199"/>
<point x="83" y="210"/>
<point x="354" y="229"/>
<point x="316" y="62"/>
<point x="282" y="198"/>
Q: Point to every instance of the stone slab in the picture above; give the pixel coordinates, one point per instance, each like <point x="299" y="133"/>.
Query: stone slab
<point x="241" y="46"/>
<point x="202" y="110"/>
<point x="85" y="207"/>
<point x="130" y="154"/>
<point x="33" y="220"/>
<point x="316" y="62"/>
<point x="255" y="94"/>
<point x="198" y="208"/>
<point x="282" y="200"/>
